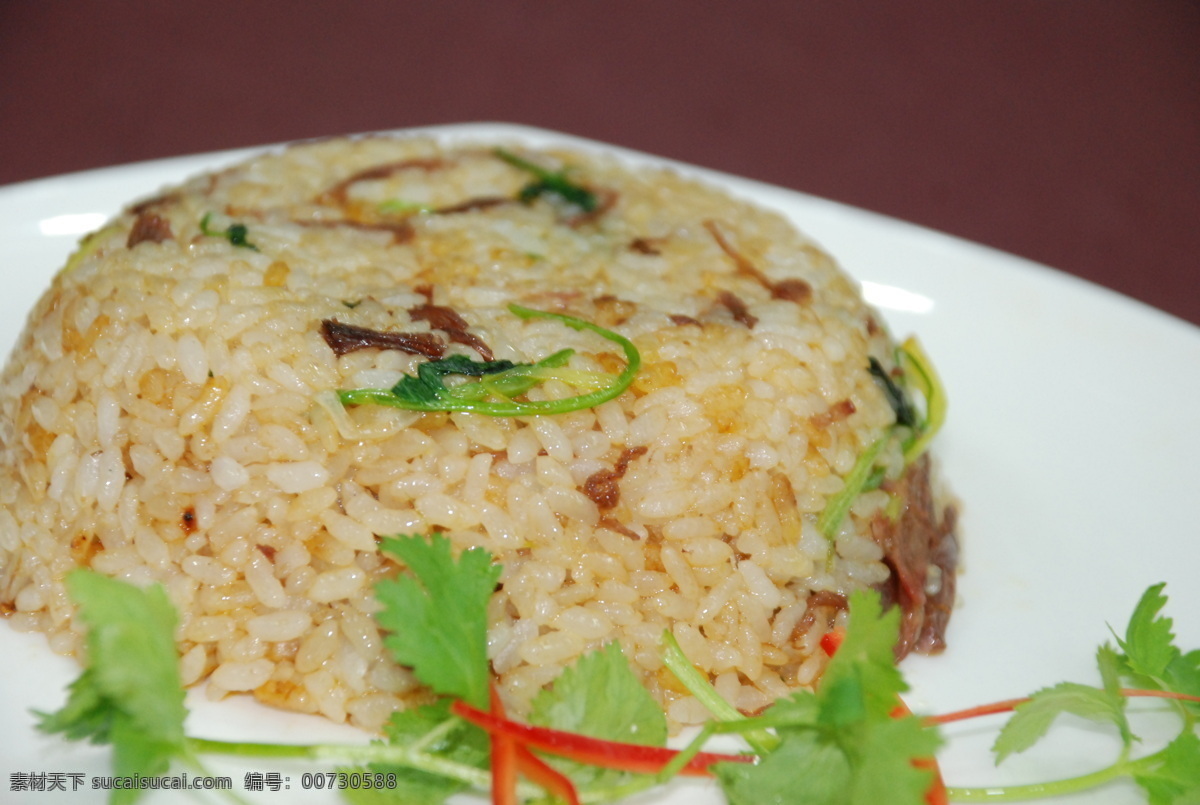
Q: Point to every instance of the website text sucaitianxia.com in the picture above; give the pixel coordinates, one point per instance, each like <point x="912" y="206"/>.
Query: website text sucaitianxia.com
<point x="48" y="781"/>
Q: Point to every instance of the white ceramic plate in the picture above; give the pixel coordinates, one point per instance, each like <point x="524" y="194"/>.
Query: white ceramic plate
<point x="1073" y="441"/>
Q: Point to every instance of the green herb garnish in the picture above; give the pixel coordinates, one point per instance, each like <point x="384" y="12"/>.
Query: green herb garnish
<point x="501" y="381"/>
<point x="855" y="483"/>
<point x="914" y="429"/>
<point x="1147" y="657"/>
<point x="897" y="397"/>
<point x="130" y="695"/>
<point x="235" y="233"/>
<point x="548" y="181"/>
<point x="402" y="207"/>
<point x="849" y="742"/>
<point x="919" y="369"/>
<point x="447" y="654"/>
<point x="844" y="743"/>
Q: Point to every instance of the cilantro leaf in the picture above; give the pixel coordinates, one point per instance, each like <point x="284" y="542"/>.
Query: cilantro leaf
<point x="438" y="732"/>
<point x="1032" y="719"/>
<point x="1151" y="658"/>
<point x="863" y="763"/>
<point x="1176" y="780"/>
<point x="600" y="696"/>
<point x="1149" y="644"/>
<point x="1183" y="675"/>
<point x="1109" y="663"/>
<point x="863" y="672"/>
<point x="802" y="770"/>
<point x="130" y="695"/>
<point x="437" y="618"/>
<point x="885" y="762"/>
<point x="843" y="744"/>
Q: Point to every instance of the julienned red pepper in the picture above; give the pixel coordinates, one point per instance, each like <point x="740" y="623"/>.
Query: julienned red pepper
<point x="593" y="751"/>
<point x="510" y="758"/>
<point x="504" y="760"/>
<point x="549" y="778"/>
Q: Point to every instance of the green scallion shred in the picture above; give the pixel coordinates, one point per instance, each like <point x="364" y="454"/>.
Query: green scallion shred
<point x="916" y="429"/>
<point x="403" y="207"/>
<point x="500" y="381"/>
<point x="235" y="233"/>
<point x="548" y="181"/>
<point x="696" y="682"/>
<point x="924" y="377"/>
<point x="839" y="505"/>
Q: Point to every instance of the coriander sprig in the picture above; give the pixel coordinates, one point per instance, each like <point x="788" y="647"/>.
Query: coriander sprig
<point x="849" y="742"/>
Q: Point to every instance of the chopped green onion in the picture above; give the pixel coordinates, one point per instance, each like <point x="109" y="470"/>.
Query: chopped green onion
<point x="698" y="685"/>
<point x="501" y="381"/>
<point x="397" y="205"/>
<point x="925" y="378"/>
<point x="839" y="505"/>
<point x="235" y="233"/>
<point x="549" y="182"/>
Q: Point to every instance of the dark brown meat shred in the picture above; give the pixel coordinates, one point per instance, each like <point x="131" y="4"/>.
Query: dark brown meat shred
<point x="347" y="338"/>
<point x="646" y="245"/>
<point x="453" y="325"/>
<point x="337" y="195"/>
<point x="790" y="290"/>
<point x="618" y="527"/>
<point x="738" y="309"/>
<point x="402" y="231"/>
<point x="155" y="203"/>
<point x="149" y="226"/>
<point x="836" y="413"/>
<point x="603" y="486"/>
<point x="818" y="600"/>
<point x="921" y="550"/>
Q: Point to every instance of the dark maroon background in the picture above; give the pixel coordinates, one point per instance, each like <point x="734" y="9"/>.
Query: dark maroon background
<point x="1066" y="131"/>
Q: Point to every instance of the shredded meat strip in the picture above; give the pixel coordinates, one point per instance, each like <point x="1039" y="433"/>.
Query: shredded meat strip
<point x="149" y="226"/>
<point x="151" y="204"/>
<point x="836" y="413"/>
<point x="646" y="245"/>
<point x="921" y="550"/>
<point x="338" y="194"/>
<point x="791" y="290"/>
<point x="449" y="322"/>
<point x="402" y="231"/>
<point x="603" y="486"/>
<point x="737" y="307"/>
<point x="346" y="338"/>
